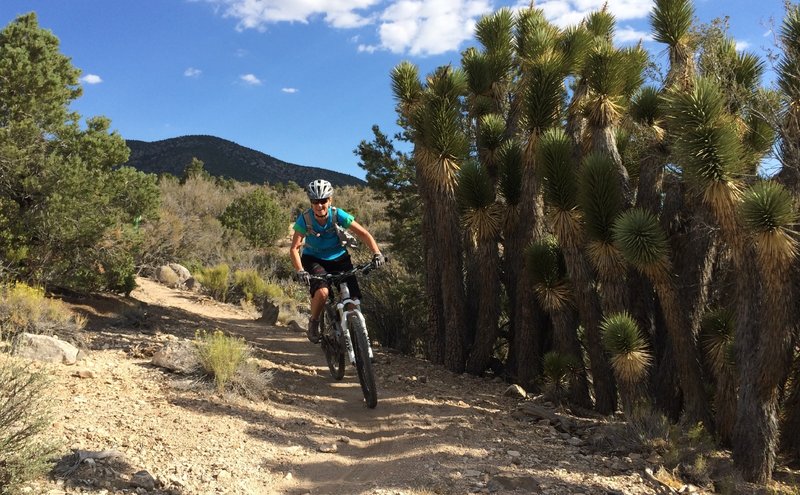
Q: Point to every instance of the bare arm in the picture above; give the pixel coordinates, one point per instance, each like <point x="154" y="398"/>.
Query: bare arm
<point x="294" y="250"/>
<point x="365" y="237"/>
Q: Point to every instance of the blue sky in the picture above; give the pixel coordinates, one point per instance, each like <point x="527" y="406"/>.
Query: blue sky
<point x="301" y="80"/>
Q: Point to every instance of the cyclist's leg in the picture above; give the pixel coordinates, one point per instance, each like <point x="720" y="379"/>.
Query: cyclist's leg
<point x="319" y="294"/>
<point x="342" y="264"/>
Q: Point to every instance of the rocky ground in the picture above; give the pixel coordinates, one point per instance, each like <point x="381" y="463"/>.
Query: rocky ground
<point x="127" y="426"/>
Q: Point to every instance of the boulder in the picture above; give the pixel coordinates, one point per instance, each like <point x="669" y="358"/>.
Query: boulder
<point x="180" y="357"/>
<point x="181" y="271"/>
<point x="167" y="276"/>
<point x="269" y="315"/>
<point x="46" y="348"/>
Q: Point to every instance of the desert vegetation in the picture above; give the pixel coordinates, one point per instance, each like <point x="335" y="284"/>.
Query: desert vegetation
<point x="575" y="217"/>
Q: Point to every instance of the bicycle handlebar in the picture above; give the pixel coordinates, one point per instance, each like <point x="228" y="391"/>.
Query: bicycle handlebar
<point x="337" y="276"/>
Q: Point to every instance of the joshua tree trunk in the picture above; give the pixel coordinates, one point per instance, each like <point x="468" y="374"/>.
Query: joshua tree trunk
<point x="436" y="335"/>
<point x="565" y="341"/>
<point x="588" y="304"/>
<point x="486" y="295"/>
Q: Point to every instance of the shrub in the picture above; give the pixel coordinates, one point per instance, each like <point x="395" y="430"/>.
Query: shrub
<point x="250" y="283"/>
<point x="257" y="216"/>
<point x="26" y="309"/>
<point x="225" y="358"/>
<point x="216" y="280"/>
<point x="24" y="418"/>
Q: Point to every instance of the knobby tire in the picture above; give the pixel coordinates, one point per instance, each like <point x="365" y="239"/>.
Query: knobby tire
<point x="334" y="348"/>
<point x="366" y="375"/>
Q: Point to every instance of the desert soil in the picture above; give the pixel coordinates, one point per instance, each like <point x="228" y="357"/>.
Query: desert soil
<point x="432" y="432"/>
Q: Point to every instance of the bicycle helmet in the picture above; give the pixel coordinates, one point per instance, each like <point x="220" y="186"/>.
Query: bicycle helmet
<point x="319" y="189"/>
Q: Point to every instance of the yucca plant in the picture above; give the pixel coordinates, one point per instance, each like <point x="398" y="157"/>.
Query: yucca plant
<point x="672" y="21"/>
<point x="717" y="329"/>
<point x="630" y="356"/>
<point x="707" y="147"/>
<point x="481" y="215"/>
<point x="768" y="212"/>
<point x="560" y="186"/>
<point x="545" y="263"/>
<point x="490" y="138"/>
<point x="601" y="201"/>
<point x="638" y="235"/>
<point x="559" y="370"/>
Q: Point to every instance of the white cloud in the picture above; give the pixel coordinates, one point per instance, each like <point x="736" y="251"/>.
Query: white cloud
<point x="250" y="79"/>
<point x="290" y="90"/>
<point x="92" y="79"/>
<point x="256" y="14"/>
<point x="419" y="27"/>
<point x="742" y="45"/>
<point x="628" y="34"/>
<point x="192" y="72"/>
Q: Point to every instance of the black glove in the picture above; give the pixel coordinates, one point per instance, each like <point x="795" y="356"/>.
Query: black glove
<point x="378" y="259"/>
<point x="303" y="277"/>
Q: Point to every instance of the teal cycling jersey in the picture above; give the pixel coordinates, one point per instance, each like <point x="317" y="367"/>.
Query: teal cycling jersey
<point x="321" y="240"/>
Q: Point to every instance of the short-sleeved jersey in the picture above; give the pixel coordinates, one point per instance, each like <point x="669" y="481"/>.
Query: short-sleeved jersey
<point x="326" y="245"/>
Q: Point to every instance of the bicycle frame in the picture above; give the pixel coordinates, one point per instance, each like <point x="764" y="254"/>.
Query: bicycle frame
<point x="346" y="306"/>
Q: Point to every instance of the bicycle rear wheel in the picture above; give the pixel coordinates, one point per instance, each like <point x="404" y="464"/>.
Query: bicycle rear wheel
<point x="332" y="345"/>
<point x="366" y="375"/>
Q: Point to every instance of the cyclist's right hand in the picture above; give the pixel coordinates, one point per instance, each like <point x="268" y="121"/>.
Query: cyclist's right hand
<point x="303" y="277"/>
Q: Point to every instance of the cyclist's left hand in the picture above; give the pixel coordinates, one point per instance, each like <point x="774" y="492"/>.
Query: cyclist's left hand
<point x="378" y="259"/>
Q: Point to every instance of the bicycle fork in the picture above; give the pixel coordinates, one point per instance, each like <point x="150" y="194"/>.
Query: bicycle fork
<point x="344" y="314"/>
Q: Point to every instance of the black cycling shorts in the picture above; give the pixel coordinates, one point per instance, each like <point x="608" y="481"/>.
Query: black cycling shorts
<point x="316" y="266"/>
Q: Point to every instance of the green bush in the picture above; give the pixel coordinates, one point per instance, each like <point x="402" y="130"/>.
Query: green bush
<point x="216" y="280"/>
<point x="258" y="216"/>
<point x="26" y="309"/>
<point x="250" y="284"/>
<point x="24" y="419"/>
<point x="221" y="356"/>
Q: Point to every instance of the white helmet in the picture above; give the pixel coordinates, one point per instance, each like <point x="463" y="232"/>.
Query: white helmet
<point x="319" y="189"/>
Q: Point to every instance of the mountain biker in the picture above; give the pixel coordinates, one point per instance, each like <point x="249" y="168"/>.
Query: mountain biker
<point x="323" y="251"/>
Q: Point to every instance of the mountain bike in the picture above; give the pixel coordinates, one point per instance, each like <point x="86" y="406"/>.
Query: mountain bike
<point x="343" y="332"/>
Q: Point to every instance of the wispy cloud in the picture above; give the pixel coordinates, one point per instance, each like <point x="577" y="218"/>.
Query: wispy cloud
<point x="192" y="72"/>
<point x="290" y="90"/>
<point x="742" y="45"/>
<point x="250" y="79"/>
<point x="418" y="27"/>
<point x="628" y="34"/>
<point x="92" y="79"/>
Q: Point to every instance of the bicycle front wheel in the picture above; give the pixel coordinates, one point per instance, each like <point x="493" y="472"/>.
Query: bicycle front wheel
<point x="366" y="375"/>
<point x="333" y="345"/>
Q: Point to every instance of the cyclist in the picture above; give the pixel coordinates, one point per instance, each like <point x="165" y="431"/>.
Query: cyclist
<point x="324" y="251"/>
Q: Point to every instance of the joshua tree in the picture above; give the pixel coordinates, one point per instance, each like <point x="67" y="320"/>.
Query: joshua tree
<point x="630" y="358"/>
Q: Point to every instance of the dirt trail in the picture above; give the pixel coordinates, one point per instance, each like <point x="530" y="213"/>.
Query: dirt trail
<point x="432" y="431"/>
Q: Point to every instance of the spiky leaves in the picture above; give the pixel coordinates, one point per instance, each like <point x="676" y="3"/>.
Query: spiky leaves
<point x="789" y="65"/>
<point x="639" y="236"/>
<point x="545" y="263"/>
<point x="600" y="198"/>
<point x="560" y="185"/>
<point x="605" y="74"/>
<point x="672" y="21"/>
<point x="558" y="369"/>
<point x="717" y="329"/>
<point x="543" y="92"/>
<point x="768" y="213"/>
<point x="630" y="357"/>
<point x="601" y="23"/>
<point x="491" y="135"/>
<point x="511" y="167"/>
<point x="481" y="215"/>
<point x="406" y="87"/>
<point x="707" y="146"/>
<point x="440" y="138"/>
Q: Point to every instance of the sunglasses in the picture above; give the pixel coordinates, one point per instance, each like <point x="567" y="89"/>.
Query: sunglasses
<point x="319" y="201"/>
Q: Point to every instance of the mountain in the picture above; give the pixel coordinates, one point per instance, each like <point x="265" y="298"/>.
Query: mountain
<point x="223" y="158"/>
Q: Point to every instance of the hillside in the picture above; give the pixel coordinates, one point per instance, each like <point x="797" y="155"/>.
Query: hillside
<point x="223" y="158"/>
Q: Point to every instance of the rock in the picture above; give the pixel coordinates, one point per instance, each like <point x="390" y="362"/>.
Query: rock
<point x="181" y="271"/>
<point x="143" y="479"/>
<point x="180" y="357"/>
<point x="191" y="283"/>
<point x="526" y="484"/>
<point x="328" y="448"/>
<point x="515" y="391"/>
<point x="45" y="348"/>
<point x="269" y="315"/>
<point x="167" y="276"/>
<point x="83" y="374"/>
